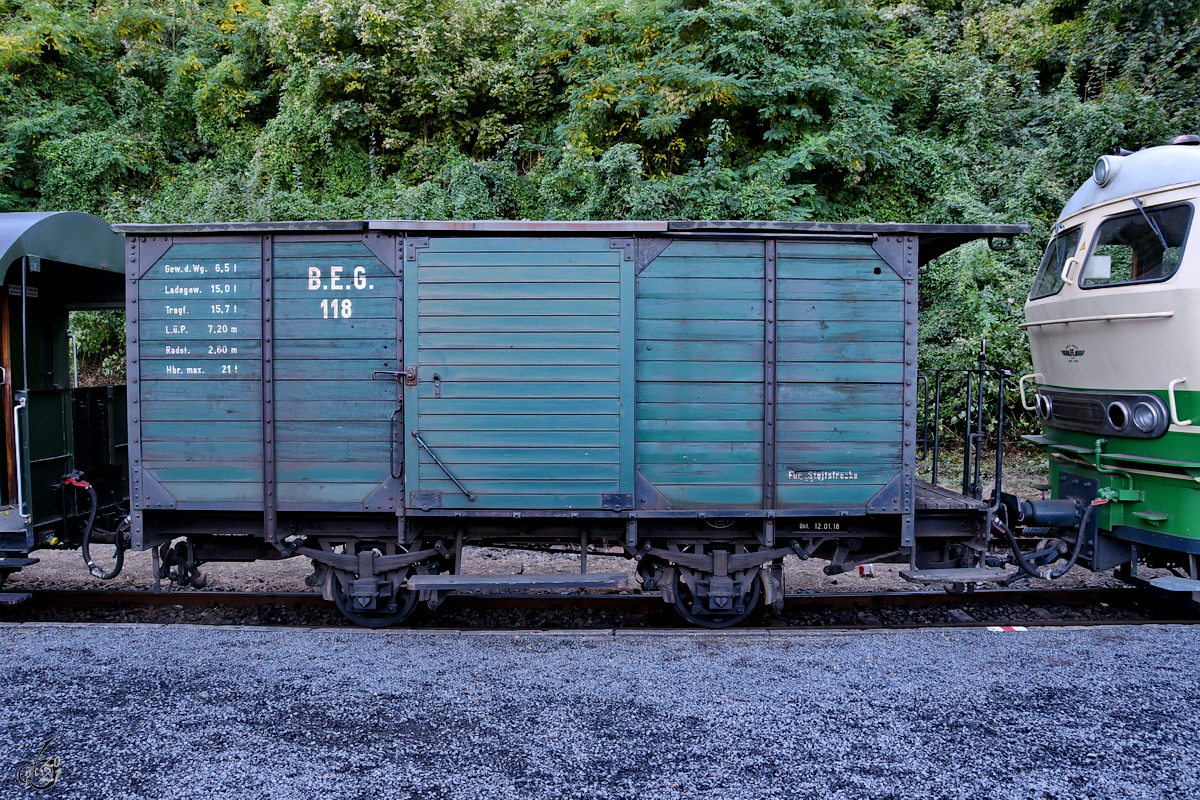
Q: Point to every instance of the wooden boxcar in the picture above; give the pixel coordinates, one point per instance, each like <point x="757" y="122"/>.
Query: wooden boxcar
<point x="708" y="396"/>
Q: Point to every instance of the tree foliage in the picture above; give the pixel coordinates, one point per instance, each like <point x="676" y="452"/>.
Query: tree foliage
<point x="934" y="111"/>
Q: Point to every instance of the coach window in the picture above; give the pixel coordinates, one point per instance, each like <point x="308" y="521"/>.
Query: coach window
<point x="1049" y="276"/>
<point x="1139" y="247"/>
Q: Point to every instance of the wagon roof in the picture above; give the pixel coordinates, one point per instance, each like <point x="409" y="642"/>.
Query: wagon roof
<point x="935" y="239"/>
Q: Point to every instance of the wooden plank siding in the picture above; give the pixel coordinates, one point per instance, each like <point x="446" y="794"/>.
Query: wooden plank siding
<point x="199" y="364"/>
<point x="523" y="375"/>
<point x="839" y="428"/>
<point x="333" y="422"/>
<point x="700" y="373"/>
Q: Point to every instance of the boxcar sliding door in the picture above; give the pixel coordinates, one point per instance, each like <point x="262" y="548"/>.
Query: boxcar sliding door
<point x="524" y="382"/>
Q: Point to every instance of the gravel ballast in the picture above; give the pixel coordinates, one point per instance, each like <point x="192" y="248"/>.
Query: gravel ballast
<point x="147" y="711"/>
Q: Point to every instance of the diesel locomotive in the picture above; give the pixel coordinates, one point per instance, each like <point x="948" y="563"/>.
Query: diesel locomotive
<point x="1110" y="316"/>
<point x="707" y="398"/>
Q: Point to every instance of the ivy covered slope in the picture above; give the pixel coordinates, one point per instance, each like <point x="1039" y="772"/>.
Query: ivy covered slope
<point x="987" y="111"/>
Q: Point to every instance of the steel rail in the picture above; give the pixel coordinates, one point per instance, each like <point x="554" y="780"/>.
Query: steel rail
<point x="1134" y="601"/>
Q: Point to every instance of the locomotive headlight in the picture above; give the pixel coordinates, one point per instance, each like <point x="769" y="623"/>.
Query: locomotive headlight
<point x="1145" y="417"/>
<point x="1044" y="407"/>
<point x="1118" y="415"/>
<point x="1106" y="167"/>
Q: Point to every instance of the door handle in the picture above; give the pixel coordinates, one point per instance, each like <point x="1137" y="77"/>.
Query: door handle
<point x="409" y="374"/>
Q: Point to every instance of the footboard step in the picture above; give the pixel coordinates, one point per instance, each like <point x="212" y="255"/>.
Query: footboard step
<point x="13" y="598"/>
<point x="592" y="580"/>
<point x="967" y="575"/>
<point x="1170" y="583"/>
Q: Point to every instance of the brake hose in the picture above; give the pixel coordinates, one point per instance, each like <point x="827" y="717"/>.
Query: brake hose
<point x="1087" y="516"/>
<point x="94" y="500"/>
<point x="1078" y="548"/>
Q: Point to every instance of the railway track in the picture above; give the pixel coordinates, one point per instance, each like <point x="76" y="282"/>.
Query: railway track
<point x="1010" y="607"/>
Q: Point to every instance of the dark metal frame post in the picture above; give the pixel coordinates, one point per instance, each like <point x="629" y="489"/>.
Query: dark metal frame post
<point x="770" y="327"/>
<point x="270" y="501"/>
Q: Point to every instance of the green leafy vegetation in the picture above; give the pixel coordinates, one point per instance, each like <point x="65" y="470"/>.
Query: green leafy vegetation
<point x="937" y="111"/>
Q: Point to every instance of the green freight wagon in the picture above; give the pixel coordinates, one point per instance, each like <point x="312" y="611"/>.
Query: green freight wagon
<point x="706" y="396"/>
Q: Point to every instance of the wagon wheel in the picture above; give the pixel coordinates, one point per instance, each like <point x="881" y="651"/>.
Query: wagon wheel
<point x="396" y="610"/>
<point x="697" y="614"/>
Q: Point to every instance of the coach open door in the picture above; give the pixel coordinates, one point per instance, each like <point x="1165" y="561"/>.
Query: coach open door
<point x="520" y="358"/>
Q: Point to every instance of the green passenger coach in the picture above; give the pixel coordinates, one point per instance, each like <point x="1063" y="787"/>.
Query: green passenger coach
<point x="706" y="396"/>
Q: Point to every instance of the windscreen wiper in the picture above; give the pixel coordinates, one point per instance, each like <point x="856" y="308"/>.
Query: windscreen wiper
<point x="1153" y="225"/>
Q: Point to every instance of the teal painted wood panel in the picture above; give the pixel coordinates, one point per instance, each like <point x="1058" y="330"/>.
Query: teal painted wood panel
<point x="353" y="328"/>
<point x="530" y="246"/>
<point x="505" y="267"/>
<point x="704" y="495"/>
<point x="217" y="492"/>
<point x="501" y="323"/>
<point x="656" y="288"/>
<point x="160" y="390"/>
<point x="699" y="351"/>
<point x="517" y="502"/>
<point x="858" y="352"/>
<point x="199" y="348"/>
<point x="889" y="394"/>
<point x="518" y="357"/>
<point x="677" y="393"/>
<point x="699" y="366"/>
<point x="682" y="329"/>
<point x="840" y="372"/>
<point x="836" y="252"/>
<point x="838" y="310"/>
<point x="200" y="411"/>
<point x="536" y="454"/>
<point x="683" y="308"/>
<point x="699" y="453"/>
<point x="843" y="331"/>
<point x="201" y="450"/>
<point x="516" y="422"/>
<point x="361" y="390"/>
<point x="332" y="472"/>
<point x="324" y="492"/>
<point x="843" y="290"/>
<point x="523" y="364"/>
<point x="731" y="371"/>
<point x="544" y="339"/>
<point x="824" y="496"/>
<point x="186" y="432"/>
<point x="507" y="390"/>
<point x="322" y="349"/>
<point x="720" y="412"/>
<point x="319" y="452"/>
<point x="851" y="430"/>
<point x="245" y="288"/>
<point x="518" y="291"/>
<point x="447" y="441"/>
<point x="169" y="472"/>
<point x="206" y="309"/>
<point x="496" y="372"/>
<point x="705" y="430"/>
<point x="336" y="324"/>
<point x="320" y="316"/>
<point x="189" y="368"/>
<point x="300" y="432"/>
<point x="172" y="331"/>
<point x="509" y="473"/>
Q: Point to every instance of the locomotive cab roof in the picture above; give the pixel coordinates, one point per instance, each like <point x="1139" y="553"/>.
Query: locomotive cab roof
<point x="1154" y="169"/>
